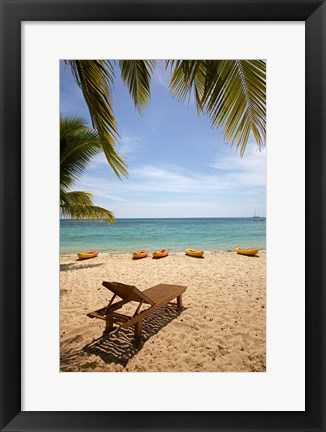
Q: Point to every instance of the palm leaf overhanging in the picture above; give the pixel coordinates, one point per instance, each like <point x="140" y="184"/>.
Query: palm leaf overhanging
<point x="95" y="78"/>
<point x="137" y="75"/>
<point x="232" y="92"/>
<point x="78" y="145"/>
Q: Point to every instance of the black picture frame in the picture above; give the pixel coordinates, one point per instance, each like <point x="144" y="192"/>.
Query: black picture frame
<point x="13" y="13"/>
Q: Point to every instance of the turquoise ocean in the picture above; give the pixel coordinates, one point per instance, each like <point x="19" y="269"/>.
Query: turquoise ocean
<point x="128" y="235"/>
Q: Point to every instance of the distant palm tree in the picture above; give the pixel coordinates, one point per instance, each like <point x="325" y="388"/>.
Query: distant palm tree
<point x="231" y="92"/>
<point x="78" y="144"/>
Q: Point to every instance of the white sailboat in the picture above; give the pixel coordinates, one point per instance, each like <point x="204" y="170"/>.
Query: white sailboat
<point x="257" y="218"/>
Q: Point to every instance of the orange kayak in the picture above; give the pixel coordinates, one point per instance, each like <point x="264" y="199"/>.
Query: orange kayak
<point x="90" y="254"/>
<point x="140" y="254"/>
<point x="160" y="253"/>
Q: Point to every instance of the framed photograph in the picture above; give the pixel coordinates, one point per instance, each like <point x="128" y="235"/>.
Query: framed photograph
<point x="214" y="250"/>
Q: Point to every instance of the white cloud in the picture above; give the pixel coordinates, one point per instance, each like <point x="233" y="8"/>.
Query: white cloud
<point x="149" y="208"/>
<point x="157" y="192"/>
<point x="252" y="159"/>
<point x="234" y="187"/>
<point x="248" y="170"/>
<point x="128" y="144"/>
<point x="127" y="147"/>
<point x="156" y="179"/>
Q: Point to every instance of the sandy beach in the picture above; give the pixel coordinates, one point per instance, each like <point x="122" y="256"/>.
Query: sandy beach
<point x="222" y="326"/>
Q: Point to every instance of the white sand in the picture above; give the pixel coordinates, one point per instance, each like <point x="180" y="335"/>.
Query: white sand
<point x="221" y="328"/>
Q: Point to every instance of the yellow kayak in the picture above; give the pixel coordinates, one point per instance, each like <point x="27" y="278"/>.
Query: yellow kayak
<point x="250" y="252"/>
<point x="194" y="253"/>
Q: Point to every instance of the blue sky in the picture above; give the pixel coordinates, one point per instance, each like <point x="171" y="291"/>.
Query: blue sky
<point x="178" y="165"/>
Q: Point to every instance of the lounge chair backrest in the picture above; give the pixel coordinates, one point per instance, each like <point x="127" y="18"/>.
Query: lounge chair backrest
<point x="127" y="292"/>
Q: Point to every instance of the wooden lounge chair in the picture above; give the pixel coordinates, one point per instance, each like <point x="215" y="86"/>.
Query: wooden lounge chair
<point x="156" y="297"/>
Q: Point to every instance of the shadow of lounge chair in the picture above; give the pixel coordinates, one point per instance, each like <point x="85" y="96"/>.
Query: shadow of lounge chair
<point x="156" y="297"/>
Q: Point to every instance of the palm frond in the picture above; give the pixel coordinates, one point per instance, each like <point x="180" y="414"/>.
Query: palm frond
<point x="79" y="205"/>
<point x="236" y="100"/>
<point x="232" y="92"/>
<point x="188" y="76"/>
<point x="137" y="75"/>
<point x="94" y="77"/>
<point x="76" y="198"/>
<point x="82" y="212"/>
<point x="70" y="126"/>
<point x="78" y="145"/>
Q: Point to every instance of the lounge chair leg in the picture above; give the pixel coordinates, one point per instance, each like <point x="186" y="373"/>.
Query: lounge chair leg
<point x="179" y="301"/>
<point x="138" y="329"/>
<point x="108" y="325"/>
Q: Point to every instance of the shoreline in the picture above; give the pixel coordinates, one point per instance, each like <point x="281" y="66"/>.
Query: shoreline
<point x="104" y="254"/>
